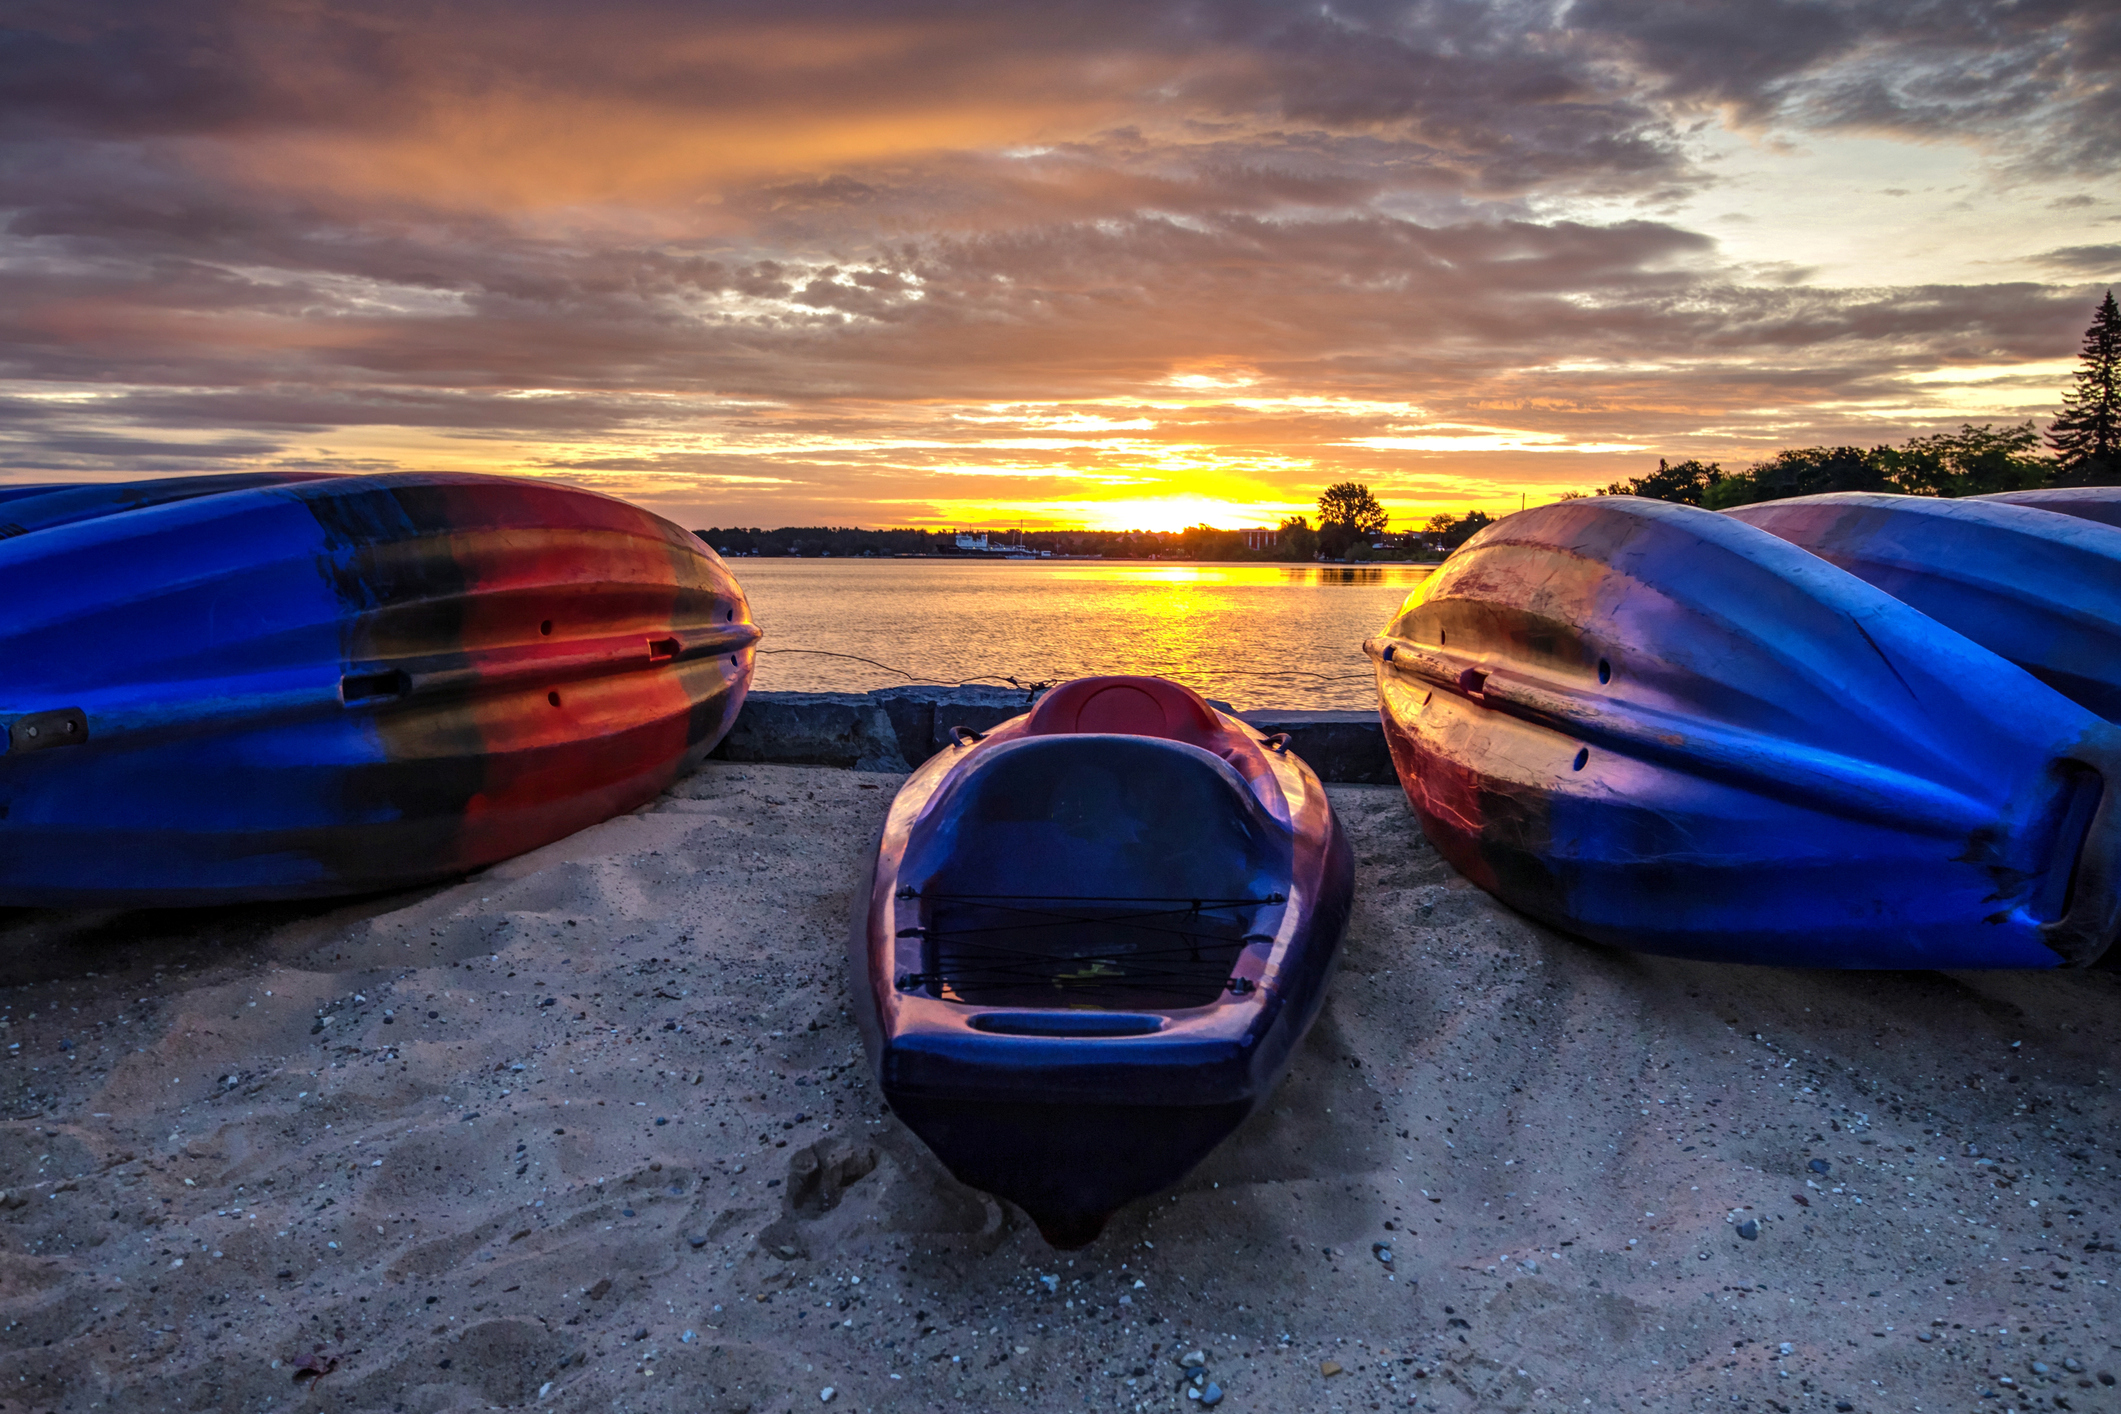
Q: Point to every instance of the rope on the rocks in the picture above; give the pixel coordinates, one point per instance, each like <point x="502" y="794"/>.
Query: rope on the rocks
<point x="1031" y="687"/>
<point x="851" y="657"/>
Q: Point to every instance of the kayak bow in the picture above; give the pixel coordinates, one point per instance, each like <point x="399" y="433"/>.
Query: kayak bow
<point x="1665" y="729"/>
<point x="2099" y="503"/>
<point x="290" y="686"/>
<point x="2039" y="589"/>
<point x="1092" y="941"/>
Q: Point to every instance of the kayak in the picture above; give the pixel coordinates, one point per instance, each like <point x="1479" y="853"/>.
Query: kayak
<point x="2099" y="503"/>
<point x="2040" y="589"/>
<point x="1665" y="729"/>
<point x="269" y="686"/>
<point x="1092" y="940"/>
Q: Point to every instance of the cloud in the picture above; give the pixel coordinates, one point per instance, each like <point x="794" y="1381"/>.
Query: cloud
<point x="2038" y="82"/>
<point x="2080" y="260"/>
<point x="820" y="255"/>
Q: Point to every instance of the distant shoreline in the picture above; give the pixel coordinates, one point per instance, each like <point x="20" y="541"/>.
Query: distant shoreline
<point x="1094" y="560"/>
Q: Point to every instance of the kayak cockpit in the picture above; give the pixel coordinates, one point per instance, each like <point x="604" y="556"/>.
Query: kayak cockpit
<point x="1090" y="871"/>
<point x="1093" y="939"/>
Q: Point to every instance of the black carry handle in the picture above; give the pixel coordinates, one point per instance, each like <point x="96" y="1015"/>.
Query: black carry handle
<point x="2084" y="933"/>
<point x="41" y="731"/>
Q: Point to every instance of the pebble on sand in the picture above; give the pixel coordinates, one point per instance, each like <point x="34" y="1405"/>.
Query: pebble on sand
<point x="1329" y="1368"/>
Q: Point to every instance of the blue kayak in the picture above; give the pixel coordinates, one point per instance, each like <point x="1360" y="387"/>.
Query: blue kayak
<point x="1091" y="942"/>
<point x="1662" y="728"/>
<point x="265" y="686"/>
<point x="2099" y="503"/>
<point x="2040" y="589"/>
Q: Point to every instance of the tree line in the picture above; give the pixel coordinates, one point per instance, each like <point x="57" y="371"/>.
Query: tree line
<point x="1198" y="542"/>
<point x="2083" y="448"/>
<point x="1350" y="521"/>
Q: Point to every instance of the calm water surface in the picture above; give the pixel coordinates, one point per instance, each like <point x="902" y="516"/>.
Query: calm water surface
<point x="1251" y="635"/>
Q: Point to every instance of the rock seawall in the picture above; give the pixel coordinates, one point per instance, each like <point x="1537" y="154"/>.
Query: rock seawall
<point x="897" y="728"/>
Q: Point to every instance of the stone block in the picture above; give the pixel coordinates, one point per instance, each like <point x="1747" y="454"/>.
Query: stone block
<point x="814" y="729"/>
<point x="1346" y="748"/>
<point x="897" y="728"/>
<point x="922" y="716"/>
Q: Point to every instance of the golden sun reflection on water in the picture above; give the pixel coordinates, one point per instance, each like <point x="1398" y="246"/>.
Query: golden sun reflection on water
<point x="1254" y="635"/>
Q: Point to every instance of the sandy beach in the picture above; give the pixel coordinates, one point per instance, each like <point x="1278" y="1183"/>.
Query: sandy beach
<point x="592" y="1130"/>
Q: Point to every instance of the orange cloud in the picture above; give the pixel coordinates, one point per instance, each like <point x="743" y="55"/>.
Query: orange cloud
<point x="926" y="264"/>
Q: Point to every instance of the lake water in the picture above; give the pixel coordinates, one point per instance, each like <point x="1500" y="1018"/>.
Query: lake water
<point x="1253" y="635"/>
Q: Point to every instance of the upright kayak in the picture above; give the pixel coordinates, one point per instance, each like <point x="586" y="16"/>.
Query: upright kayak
<point x="270" y="686"/>
<point x="2099" y="503"/>
<point x="1665" y="729"/>
<point x="1092" y="940"/>
<point x="2039" y="589"/>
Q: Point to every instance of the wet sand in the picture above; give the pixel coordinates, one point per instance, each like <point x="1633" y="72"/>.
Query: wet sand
<point x="593" y="1131"/>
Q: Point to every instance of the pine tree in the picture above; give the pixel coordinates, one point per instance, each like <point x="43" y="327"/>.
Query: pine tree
<point x="2087" y="436"/>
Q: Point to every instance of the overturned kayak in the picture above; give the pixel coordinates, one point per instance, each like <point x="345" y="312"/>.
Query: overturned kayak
<point x="288" y="686"/>
<point x="1092" y="941"/>
<point x="1663" y="728"/>
<point x="2099" y="503"/>
<point x="2039" y="589"/>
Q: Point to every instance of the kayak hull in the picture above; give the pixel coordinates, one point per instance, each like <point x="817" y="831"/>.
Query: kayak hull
<point x="1069" y="1166"/>
<point x="1092" y="942"/>
<point x="2039" y="589"/>
<point x="1663" y="729"/>
<point x="307" y="686"/>
<point x="2097" y="503"/>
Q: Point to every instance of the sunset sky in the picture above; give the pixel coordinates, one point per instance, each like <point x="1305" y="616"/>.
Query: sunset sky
<point x="1094" y="264"/>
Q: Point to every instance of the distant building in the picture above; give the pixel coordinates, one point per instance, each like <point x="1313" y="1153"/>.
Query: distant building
<point x="1260" y="539"/>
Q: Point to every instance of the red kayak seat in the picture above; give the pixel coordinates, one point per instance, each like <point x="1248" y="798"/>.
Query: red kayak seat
<point x="1127" y="706"/>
